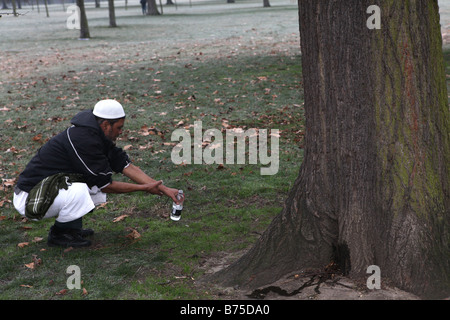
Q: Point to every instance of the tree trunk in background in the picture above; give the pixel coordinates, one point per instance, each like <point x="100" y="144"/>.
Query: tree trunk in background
<point x="266" y="3"/>
<point x="152" y="8"/>
<point x="46" y="8"/>
<point x="84" y="28"/>
<point x="374" y="187"/>
<point x="13" y="3"/>
<point x="112" y="14"/>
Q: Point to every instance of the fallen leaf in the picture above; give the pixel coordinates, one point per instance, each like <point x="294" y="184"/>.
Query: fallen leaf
<point x="120" y="218"/>
<point x="2" y="203"/>
<point x="37" y="261"/>
<point x="26" y="286"/>
<point x="127" y="147"/>
<point x="23" y="244"/>
<point x="84" y="292"/>
<point x="30" y="265"/>
<point x="144" y="131"/>
<point x="37" y="239"/>
<point x="62" y="292"/>
<point x="133" y="235"/>
<point x="9" y="182"/>
<point x="102" y="205"/>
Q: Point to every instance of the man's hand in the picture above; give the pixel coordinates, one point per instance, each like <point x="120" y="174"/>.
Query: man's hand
<point x="137" y="175"/>
<point x="171" y="193"/>
<point x="153" y="188"/>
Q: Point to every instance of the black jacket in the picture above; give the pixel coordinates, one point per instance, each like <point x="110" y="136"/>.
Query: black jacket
<point x="82" y="148"/>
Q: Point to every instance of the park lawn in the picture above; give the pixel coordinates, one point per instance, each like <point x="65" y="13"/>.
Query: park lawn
<point x="226" y="83"/>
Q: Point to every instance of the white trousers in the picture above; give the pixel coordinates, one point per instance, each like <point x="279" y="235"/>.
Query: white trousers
<point x="69" y="204"/>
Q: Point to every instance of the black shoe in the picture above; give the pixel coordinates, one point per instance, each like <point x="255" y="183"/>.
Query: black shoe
<point x="58" y="237"/>
<point x="86" y="232"/>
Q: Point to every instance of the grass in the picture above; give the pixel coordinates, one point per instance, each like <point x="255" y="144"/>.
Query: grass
<point x="168" y="72"/>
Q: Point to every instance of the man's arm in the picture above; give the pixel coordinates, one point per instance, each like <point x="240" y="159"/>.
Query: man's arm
<point x="141" y="178"/>
<point x="137" y="175"/>
<point x="124" y="187"/>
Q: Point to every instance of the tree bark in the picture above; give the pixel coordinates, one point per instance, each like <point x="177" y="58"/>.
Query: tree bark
<point x="13" y="3"/>
<point x="152" y="8"/>
<point x="84" y="28"/>
<point x="112" y="14"/>
<point x="46" y="8"/>
<point x="374" y="186"/>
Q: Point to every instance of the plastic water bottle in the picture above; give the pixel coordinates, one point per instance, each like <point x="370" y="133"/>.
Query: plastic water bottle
<point x="175" y="215"/>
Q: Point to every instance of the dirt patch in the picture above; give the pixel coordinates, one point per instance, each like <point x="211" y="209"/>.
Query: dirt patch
<point x="300" y="285"/>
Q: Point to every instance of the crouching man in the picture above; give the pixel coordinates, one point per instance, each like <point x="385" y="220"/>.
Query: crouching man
<point x="72" y="173"/>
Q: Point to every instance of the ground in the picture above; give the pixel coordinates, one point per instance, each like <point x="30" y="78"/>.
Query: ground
<point x="304" y="285"/>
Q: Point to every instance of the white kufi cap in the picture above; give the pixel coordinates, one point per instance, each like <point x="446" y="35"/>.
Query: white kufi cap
<point x="109" y="109"/>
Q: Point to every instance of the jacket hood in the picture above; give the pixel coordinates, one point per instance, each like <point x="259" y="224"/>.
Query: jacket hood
<point x="85" y="119"/>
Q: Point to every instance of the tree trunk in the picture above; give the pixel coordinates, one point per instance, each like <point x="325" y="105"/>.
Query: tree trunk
<point x="13" y="3"/>
<point x="112" y="14"/>
<point x="84" y="28"/>
<point x="152" y="9"/>
<point x="374" y="187"/>
<point x="46" y="8"/>
<point x="266" y="3"/>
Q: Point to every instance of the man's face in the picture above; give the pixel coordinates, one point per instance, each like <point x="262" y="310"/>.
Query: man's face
<point x="113" y="131"/>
